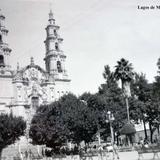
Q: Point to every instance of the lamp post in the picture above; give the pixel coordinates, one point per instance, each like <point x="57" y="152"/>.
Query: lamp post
<point x="110" y="119"/>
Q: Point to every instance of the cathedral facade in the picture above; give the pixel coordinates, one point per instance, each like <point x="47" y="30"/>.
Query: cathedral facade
<point x="26" y="88"/>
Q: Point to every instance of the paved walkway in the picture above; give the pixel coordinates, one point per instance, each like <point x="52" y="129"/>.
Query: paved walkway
<point x="123" y="156"/>
<point x="134" y="156"/>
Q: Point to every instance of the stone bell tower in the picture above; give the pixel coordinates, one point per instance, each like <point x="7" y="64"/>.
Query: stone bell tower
<point x="6" y="74"/>
<point x="5" y="51"/>
<point x="55" y="58"/>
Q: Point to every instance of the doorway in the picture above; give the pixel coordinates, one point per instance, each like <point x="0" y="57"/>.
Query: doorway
<point x="35" y="102"/>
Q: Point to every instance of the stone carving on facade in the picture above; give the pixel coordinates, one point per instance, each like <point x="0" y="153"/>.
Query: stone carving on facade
<point x="33" y="74"/>
<point x="44" y="94"/>
<point x="32" y="79"/>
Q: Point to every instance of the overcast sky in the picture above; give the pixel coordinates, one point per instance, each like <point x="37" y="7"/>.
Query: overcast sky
<point x="95" y="32"/>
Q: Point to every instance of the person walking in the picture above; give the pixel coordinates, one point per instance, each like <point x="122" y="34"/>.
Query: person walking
<point x="21" y="155"/>
<point x="100" y="153"/>
<point x="81" y="154"/>
<point x="115" y="151"/>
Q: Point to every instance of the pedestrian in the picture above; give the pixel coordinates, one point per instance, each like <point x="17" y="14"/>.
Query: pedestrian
<point x="21" y="155"/>
<point x="90" y="153"/>
<point x="115" y="151"/>
<point x="100" y="152"/>
<point x="26" y="154"/>
<point x="81" y="154"/>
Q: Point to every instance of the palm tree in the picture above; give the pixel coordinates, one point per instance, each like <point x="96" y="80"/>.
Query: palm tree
<point x="124" y="72"/>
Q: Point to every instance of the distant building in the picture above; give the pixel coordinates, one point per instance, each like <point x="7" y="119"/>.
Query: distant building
<point x="24" y="89"/>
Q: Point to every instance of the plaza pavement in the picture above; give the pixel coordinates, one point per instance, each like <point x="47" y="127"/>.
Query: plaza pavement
<point x="133" y="155"/>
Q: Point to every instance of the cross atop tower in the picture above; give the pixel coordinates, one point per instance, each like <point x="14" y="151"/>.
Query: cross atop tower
<point x="51" y="15"/>
<point x="51" y="18"/>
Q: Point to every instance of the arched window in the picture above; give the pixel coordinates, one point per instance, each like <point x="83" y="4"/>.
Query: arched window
<point x="59" y="67"/>
<point x="1" y="61"/>
<point x="0" y="38"/>
<point x="56" y="46"/>
<point x="35" y="102"/>
<point x="55" y="32"/>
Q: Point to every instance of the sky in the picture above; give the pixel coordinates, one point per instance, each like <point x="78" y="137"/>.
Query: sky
<point x="95" y="32"/>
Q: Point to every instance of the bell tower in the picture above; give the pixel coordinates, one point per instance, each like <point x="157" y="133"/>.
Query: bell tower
<point x="5" y="51"/>
<point x="6" y="74"/>
<point x="55" y="58"/>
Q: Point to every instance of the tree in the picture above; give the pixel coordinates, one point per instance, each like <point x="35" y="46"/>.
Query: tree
<point x="47" y="127"/>
<point x="138" y="113"/>
<point x="109" y="77"/>
<point x="124" y="72"/>
<point x="80" y="120"/>
<point x="108" y="98"/>
<point x="85" y="96"/>
<point x="113" y="99"/>
<point x="129" y="130"/>
<point x="153" y="105"/>
<point x="156" y="92"/>
<point x="156" y="84"/>
<point x="141" y="95"/>
<point x="68" y="119"/>
<point x="96" y="105"/>
<point x="11" y="128"/>
<point x="145" y="107"/>
<point x="152" y="115"/>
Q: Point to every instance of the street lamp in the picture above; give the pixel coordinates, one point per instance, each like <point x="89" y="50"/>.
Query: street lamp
<point x="110" y="119"/>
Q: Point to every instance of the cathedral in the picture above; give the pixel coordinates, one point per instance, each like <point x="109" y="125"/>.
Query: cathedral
<point x="24" y="89"/>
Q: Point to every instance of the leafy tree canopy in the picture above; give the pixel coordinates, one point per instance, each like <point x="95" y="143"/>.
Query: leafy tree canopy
<point x="113" y="99"/>
<point x="11" y="128"/>
<point x="128" y="129"/>
<point x="156" y="84"/>
<point x="124" y="70"/>
<point x="69" y="118"/>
